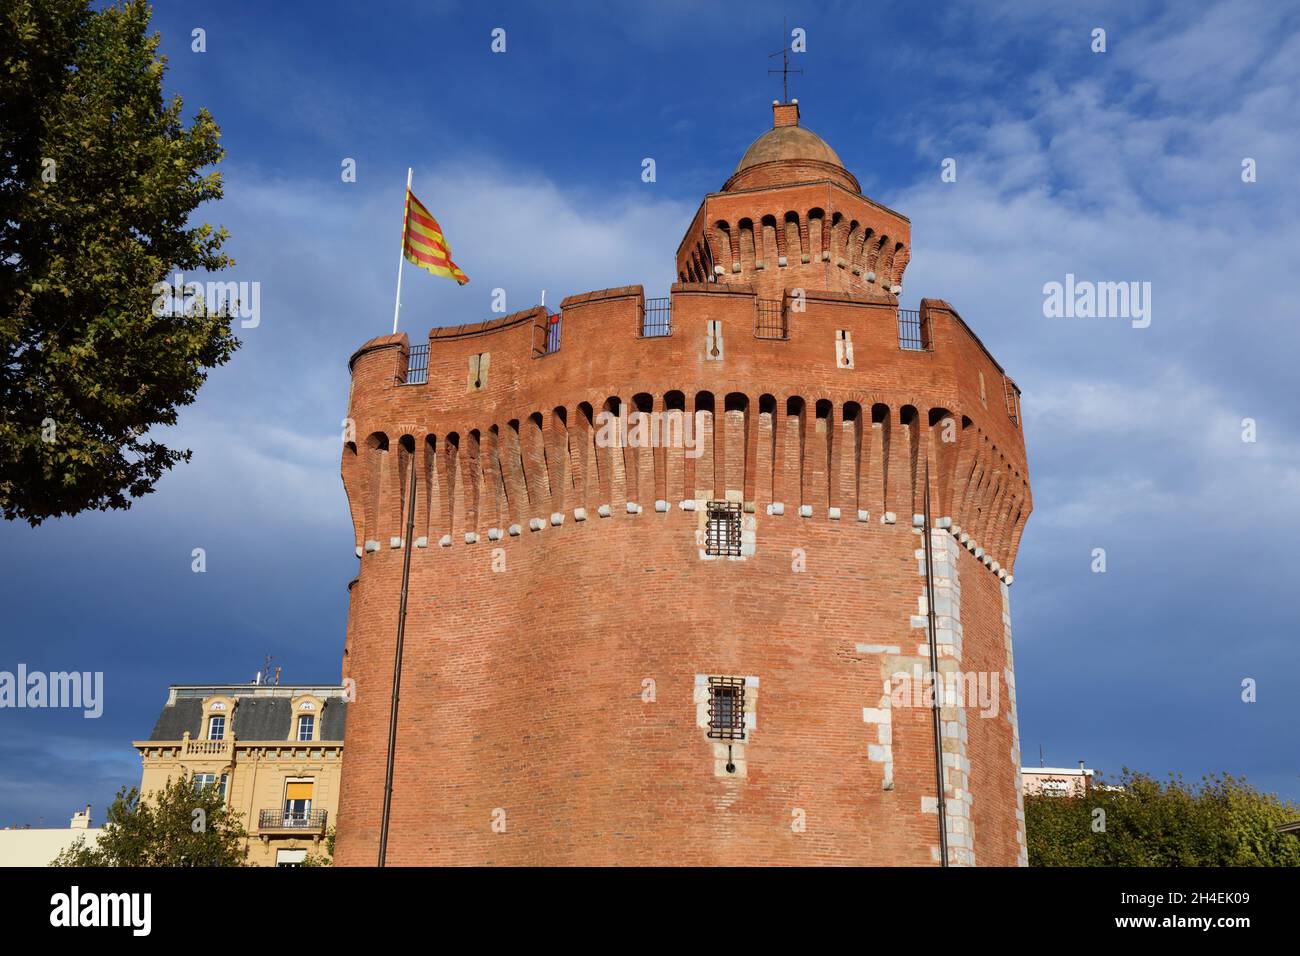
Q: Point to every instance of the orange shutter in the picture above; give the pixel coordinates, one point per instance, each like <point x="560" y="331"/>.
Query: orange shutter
<point x="297" y="791"/>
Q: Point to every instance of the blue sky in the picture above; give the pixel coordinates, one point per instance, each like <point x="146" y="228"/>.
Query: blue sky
<point x="1122" y="166"/>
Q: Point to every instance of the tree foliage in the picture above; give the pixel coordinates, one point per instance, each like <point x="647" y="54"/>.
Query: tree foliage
<point x="181" y="825"/>
<point x="1223" y="821"/>
<point x="98" y="178"/>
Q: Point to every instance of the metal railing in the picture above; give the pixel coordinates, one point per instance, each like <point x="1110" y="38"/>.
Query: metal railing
<point x="1013" y="400"/>
<point x="770" y="319"/>
<point x="417" y="365"/>
<point x="656" y="318"/>
<point x="913" y="334"/>
<point x="546" y="338"/>
<point x="291" y="819"/>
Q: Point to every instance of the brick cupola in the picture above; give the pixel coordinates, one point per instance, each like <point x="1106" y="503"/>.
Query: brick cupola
<point x="788" y="153"/>
<point x="793" y="216"/>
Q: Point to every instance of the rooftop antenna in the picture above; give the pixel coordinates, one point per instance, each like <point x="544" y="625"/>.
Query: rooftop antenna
<point x="1042" y="761"/>
<point x="785" y="71"/>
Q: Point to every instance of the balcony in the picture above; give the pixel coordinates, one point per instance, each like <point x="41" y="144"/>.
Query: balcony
<point x="297" y="821"/>
<point x="206" y="748"/>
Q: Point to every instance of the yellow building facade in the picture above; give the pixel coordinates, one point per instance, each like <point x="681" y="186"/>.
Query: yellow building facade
<point x="274" y="752"/>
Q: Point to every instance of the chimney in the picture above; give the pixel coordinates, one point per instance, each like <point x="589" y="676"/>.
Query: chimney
<point x="785" y="114"/>
<point x="81" y="819"/>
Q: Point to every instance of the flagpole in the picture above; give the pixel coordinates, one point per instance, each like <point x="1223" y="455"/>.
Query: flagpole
<point x="406" y="204"/>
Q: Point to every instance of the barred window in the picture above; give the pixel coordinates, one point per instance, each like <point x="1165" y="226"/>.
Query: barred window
<point x="727" y="708"/>
<point x="722" y="534"/>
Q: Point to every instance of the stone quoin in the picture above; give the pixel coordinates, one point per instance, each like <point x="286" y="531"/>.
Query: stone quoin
<point x="676" y="655"/>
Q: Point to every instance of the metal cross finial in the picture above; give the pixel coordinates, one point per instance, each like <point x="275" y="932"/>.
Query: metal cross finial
<point x="785" y="71"/>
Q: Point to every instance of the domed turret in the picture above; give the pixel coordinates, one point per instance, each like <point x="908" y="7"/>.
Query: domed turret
<point x="788" y="153"/>
<point x="791" y="216"/>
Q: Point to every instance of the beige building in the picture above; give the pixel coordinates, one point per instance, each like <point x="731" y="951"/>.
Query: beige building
<point x="1056" y="781"/>
<point x="274" y="752"/>
<point x="27" y="846"/>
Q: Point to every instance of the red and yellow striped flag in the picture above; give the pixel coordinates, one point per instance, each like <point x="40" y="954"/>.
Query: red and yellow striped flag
<point x="424" y="244"/>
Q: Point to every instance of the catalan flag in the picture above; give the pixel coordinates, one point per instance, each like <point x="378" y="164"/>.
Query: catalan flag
<point x="424" y="244"/>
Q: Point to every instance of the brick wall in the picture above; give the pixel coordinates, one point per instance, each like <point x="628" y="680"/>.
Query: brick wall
<point x="554" y="577"/>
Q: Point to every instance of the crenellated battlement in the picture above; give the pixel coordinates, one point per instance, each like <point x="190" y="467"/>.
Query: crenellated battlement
<point x="827" y="406"/>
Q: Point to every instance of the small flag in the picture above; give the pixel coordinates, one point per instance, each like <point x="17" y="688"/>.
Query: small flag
<point x="424" y="244"/>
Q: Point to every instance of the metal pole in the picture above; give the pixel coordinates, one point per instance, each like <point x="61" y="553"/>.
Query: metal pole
<point x="397" y="666"/>
<point x="401" y="255"/>
<point x="934" y="675"/>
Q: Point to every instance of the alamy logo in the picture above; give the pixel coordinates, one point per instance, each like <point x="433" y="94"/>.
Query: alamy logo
<point x="1098" y="300"/>
<point x="968" y="690"/>
<point x="670" y="429"/>
<point x="75" y="689"/>
<point x="103" y="909"/>
<point x="242" y="300"/>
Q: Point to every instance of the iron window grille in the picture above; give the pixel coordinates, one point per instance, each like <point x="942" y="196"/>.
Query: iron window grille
<point x="656" y="318"/>
<point x="722" y="533"/>
<point x="727" y="708"/>
<point x="769" y="319"/>
<point x="417" y="365"/>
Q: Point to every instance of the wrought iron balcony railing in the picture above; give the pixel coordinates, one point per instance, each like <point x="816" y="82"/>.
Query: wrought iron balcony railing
<point x="291" y="819"/>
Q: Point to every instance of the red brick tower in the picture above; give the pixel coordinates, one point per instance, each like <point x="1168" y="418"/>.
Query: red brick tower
<point x="668" y="568"/>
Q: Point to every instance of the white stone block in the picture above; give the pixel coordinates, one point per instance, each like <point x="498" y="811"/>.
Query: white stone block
<point x="579" y="514"/>
<point x="394" y="542"/>
<point x="776" y="508"/>
<point x="876" y="649"/>
<point x="833" y="514"/>
<point x="863" y="515"/>
<point x="888" y="518"/>
<point x="603" y="511"/>
<point x="372" y="545"/>
<point x="557" y="518"/>
<point x="535" y="524"/>
<point x="514" y="530"/>
<point x="471" y="537"/>
<point x="805" y="511"/>
<point x="421" y="542"/>
<point x="661" y="506"/>
<point x="444" y="541"/>
<point x="688" y="504"/>
<point x="494" y="534"/>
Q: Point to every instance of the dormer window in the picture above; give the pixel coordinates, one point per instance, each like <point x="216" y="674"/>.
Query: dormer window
<point x="306" y="727"/>
<point x="217" y="727"/>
